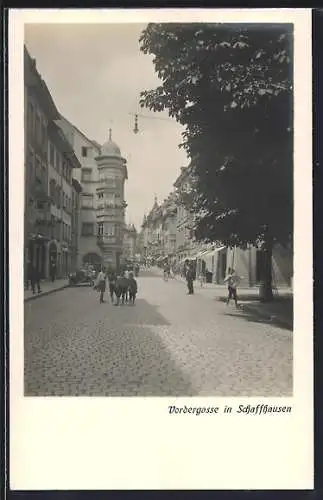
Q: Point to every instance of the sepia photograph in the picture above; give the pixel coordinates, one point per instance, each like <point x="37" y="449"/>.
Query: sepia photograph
<point x="160" y="249"/>
<point x="158" y="209"/>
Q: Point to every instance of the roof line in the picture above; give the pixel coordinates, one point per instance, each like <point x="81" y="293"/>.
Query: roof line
<point x="95" y="144"/>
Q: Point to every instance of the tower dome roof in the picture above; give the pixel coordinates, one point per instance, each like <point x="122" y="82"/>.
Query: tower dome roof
<point x="110" y="148"/>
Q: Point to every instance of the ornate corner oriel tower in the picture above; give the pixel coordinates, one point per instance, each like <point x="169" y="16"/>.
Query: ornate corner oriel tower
<point x="111" y="205"/>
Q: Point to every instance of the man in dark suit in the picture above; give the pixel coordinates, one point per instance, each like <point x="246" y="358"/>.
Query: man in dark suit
<point x="35" y="279"/>
<point x="190" y="279"/>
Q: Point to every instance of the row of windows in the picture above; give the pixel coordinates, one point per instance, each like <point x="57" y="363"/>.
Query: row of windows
<point x="108" y="229"/>
<point x="59" y="197"/>
<point x="57" y="161"/>
<point x="107" y="200"/>
<point x="36" y="126"/>
<point x="109" y="197"/>
<point x="37" y="129"/>
<point x="61" y="229"/>
<point x="66" y="232"/>
<point x="36" y="170"/>
<point x="109" y="181"/>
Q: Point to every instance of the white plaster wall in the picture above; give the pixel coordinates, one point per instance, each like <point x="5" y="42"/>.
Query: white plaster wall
<point x="244" y="262"/>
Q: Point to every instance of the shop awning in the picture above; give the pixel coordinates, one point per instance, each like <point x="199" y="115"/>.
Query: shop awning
<point x="201" y="253"/>
<point x="38" y="237"/>
<point x="193" y="254"/>
<point x="210" y="253"/>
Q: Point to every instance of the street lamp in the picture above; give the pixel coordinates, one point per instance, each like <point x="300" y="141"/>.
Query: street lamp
<point x="136" y="129"/>
<point x="146" y="117"/>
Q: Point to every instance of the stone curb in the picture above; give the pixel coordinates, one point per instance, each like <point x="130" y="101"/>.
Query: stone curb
<point x="262" y="314"/>
<point x="48" y="292"/>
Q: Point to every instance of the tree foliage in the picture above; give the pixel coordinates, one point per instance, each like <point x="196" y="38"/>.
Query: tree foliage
<point x="230" y="86"/>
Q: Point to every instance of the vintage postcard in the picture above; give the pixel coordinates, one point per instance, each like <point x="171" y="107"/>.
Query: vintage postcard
<point x="160" y="197"/>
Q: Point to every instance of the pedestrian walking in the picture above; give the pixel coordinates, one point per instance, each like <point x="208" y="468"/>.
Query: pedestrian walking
<point x="53" y="269"/>
<point x="101" y="284"/>
<point x="122" y="285"/>
<point x="126" y="278"/>
<point x="112" y="285"/>
<point x="35" y="280"/>
<point x="190" y="279"/>
<point x="233" y="280"/>
<point x="202" y="277"/>
<point x="28" y="274"/>
<point x="133" y="289"/>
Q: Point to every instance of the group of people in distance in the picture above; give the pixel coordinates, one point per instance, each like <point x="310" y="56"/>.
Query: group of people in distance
<point x="123" y="288"/>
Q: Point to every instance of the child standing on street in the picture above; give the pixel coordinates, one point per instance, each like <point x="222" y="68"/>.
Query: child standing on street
<point x="122" y="286"/>
<point x="112" y="284"/>
<point x="118" y="290"/>
<point x="101" y="284"/>
<point x="190" y="279"/>
<point x="133" y="289"/>
<point x="233" y="280"/>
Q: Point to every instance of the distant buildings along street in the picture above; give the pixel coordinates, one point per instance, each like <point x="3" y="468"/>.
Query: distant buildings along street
<point x="168" y="232"/>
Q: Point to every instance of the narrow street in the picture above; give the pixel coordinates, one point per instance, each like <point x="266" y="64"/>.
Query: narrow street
<point x="168" y="344"/>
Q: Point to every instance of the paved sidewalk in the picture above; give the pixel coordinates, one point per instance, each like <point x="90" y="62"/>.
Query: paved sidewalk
<point x="279" y="311"/>
<point x="47" y="287"/>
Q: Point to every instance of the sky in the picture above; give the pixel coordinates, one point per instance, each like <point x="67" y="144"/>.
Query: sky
<point x="95" y="73"/>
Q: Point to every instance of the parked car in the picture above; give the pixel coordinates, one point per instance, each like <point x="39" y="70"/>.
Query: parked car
<point x="82" y="277"/>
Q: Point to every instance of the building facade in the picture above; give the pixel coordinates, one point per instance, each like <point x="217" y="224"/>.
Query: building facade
<point x="76" y="225"/>
<point x="130" y="242"/>
<point x="111" y="204"/>
<point x="151" y="230"/>
<point x="185" y="243"/>
<point x="158" y="231"/>
<point x="165" y="225"/>
<point x="250" y="265"/>
<point x="169" y="226"/>
<point x="62" y="162"/>
<point x="102" y="211"/>
<point x="86" y="152"/>
<point x="40" y="112"/>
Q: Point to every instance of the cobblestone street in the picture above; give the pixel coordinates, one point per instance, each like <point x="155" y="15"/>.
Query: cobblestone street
<point x="168" y="344"/>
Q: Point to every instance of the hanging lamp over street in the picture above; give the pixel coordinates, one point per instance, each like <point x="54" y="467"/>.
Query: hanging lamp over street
<point x="136" y="129"/>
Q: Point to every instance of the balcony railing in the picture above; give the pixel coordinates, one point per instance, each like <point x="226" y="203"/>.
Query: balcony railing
<point x="105" y="205"/>
<point x="110" y="212"/>
<point x="43" y="218"/>
<point x="108" y="240"/>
